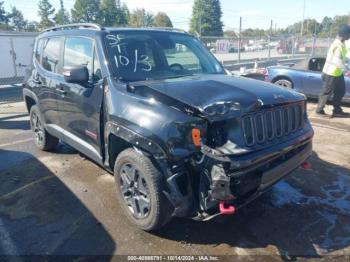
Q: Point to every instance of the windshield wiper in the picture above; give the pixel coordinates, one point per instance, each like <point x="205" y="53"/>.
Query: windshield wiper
<point x="170" y="77"/>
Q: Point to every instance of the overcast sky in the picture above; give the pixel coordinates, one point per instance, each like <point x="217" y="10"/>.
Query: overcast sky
<point x="255" y="14"/>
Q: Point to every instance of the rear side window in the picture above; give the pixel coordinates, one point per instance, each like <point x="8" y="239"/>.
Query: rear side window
<point x="51" y="55"/>
<point x="79" y="52"/>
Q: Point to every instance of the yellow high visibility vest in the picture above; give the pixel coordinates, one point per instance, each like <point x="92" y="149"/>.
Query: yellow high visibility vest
<point x="336" y="59"/>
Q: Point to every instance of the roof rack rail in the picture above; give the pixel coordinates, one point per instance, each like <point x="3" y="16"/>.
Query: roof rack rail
<point x="76" y="25"/>
<point x="168" y="29"/>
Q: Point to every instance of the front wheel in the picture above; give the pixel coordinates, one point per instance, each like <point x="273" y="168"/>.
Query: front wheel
<point x="140" y="188"/>
<point x="43" y="139"/>
<point x="284" y="83"/>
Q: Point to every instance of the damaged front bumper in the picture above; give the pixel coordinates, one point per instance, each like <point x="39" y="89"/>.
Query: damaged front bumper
<point x="239" y="179"/>
<point x="249" y="176"/>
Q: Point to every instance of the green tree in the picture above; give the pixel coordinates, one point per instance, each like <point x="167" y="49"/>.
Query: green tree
<point x="32" y="26"/>
<point x="141" y="18"/>
<point x="86" y="11"/>
<point x="162" y="20"/>
<point x="206" y="18"/>
<point x="45" y="12"/>
<point x="326" y="24"/>
<point x="231" y="33"/>
<point x="113" y="13"/>
<point x="126" y="12"/>
<point x="62" y="16"/>
<point x="3" y="16"/>
<point x="16" y="20"/>
<point x="337" y="22"/>
<point x="256" y="32"/>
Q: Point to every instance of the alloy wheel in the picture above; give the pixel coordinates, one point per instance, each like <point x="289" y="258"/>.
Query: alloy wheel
<point x="135" y="191"/>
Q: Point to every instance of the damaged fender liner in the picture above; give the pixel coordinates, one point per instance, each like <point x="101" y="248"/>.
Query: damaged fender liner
<point x="134" y="139"/>
<point x="180" y="201"/>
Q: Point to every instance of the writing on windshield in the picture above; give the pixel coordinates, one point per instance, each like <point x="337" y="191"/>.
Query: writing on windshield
<point x="140" y="55"/>
<point x="122" y="59"/>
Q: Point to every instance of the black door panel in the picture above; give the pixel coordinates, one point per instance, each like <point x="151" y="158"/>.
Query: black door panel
<point x="79" y="105"/>
<point x="47" y="77"/>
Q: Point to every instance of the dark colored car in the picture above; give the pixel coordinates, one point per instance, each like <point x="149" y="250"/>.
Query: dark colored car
<point x="304" y="77"/>
<point x="156" y="109"/>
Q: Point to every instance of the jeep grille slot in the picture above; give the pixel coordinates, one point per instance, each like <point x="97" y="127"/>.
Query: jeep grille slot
<point x="264" y="126"/>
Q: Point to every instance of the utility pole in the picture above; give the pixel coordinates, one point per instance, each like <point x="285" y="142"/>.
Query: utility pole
<point x="302" y="23"/>
<point x="239" y="39"/>
<point x="61" y="5"/>
<point x="200" y="24"/>
<point x="314" y="41"/>
<point x="270" y="39"/>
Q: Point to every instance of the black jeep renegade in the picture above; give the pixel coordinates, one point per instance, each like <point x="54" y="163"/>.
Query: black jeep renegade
<point x="155" y="108"/>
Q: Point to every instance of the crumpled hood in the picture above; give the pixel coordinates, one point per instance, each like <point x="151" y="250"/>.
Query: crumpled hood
<point x="201" y="91"/>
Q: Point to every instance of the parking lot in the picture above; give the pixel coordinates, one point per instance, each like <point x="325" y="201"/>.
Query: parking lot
<point x="61" y="203"/>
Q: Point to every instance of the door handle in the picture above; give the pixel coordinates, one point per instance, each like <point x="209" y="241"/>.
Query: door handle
<point x="61" y="91"/>
<point x="311" y="77"/>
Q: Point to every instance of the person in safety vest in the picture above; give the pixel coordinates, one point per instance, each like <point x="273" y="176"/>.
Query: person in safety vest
<point x="335" y="68"/>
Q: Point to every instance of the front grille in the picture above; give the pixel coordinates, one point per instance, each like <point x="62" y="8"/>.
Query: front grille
<point x="264" y="126"/>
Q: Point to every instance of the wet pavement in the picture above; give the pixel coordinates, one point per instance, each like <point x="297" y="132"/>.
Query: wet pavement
<point x="61" y="203"/>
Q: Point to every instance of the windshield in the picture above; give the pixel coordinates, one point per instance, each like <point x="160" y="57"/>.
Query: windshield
<point x="142" y="55"/>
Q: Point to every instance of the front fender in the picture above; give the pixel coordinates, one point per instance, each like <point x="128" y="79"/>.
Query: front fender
<point x="143" y="120"/>
<point x="147" y="144"/>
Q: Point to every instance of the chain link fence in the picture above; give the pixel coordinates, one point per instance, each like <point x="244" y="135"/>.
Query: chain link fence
<point x="235" y="52"/>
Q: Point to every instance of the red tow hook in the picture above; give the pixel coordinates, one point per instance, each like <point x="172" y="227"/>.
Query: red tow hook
<point x="306" y="165"/>
<point x="226" y="210"/>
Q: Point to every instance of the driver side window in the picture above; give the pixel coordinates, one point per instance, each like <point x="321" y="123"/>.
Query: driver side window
<point x="183" y="56"/>
<point x="78" y="51"/>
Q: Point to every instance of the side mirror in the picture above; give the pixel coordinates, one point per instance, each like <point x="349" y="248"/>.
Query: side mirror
<point x="77" y="74"/>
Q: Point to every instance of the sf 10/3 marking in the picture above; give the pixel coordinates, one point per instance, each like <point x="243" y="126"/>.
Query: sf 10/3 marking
<point x="116" y="41"/>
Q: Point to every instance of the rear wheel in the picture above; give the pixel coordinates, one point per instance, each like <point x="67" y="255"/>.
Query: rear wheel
<point x="284" y="83"/>
<point x="43" y="139"/>
<point x="140" y="189"/>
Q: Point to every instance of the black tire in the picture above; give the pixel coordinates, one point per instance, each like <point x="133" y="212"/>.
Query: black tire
<point x="284" y="82"/>
<point x="146" y="184"/>
<point x="43" y="140"/>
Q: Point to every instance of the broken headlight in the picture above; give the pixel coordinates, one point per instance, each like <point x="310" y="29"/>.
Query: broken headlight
<point x="222" y="108"/>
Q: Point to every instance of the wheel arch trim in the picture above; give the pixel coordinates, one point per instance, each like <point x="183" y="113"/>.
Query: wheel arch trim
<point x="134" y="139"/>
<point x="30" y="94"/>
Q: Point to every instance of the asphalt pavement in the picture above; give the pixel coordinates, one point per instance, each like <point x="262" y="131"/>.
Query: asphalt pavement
<point x="61" y="203"/>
